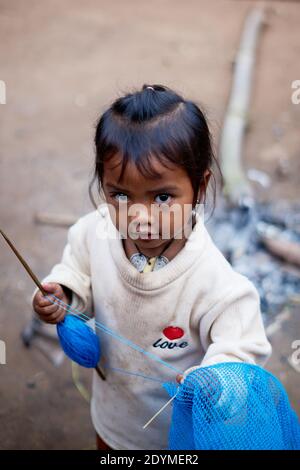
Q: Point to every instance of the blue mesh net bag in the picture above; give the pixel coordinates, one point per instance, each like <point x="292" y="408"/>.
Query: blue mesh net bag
<point x="232" y="406"/>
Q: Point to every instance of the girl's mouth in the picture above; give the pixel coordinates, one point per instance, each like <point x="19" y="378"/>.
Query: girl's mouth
<point x="149" y="236"/>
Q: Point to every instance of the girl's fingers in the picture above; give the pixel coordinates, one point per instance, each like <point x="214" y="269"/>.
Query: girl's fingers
<point x="179" y="378"/>
<point x="53" y="288"/>
<point x="55" y="317"/>
<point x="50" y="310"/>
<point x="58" y="291"/>
<point x="52" y="322"/>
<point x="61" y="317"/>
<point x="50" y="287"/>
<point x="43" y="301"/>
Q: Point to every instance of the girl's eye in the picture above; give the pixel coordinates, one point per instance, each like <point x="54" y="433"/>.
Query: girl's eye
<point x="120" y="197"/>
<point x="163" y="198"/>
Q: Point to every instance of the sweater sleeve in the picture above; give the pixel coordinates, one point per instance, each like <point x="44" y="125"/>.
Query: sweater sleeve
<point x="73" y="270"/>
<point x="232" y="330"/>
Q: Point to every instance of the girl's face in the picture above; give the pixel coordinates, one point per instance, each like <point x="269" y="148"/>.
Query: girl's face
<point x="149" y="211"/>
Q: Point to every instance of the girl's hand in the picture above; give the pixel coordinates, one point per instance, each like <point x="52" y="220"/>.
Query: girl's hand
<point x="47" y="311"/>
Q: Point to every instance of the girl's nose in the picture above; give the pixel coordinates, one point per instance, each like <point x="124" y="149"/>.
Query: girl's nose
<point x="143" y="220"/>
<point x="143" y="226"/>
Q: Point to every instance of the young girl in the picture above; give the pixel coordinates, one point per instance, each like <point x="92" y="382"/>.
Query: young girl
<point x="144" y="264"/>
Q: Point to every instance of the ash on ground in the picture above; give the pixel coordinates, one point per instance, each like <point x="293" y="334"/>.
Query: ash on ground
<point x="243" y="234"/>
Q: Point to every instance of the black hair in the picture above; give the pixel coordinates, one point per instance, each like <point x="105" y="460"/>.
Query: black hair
<point x="155" y="121"/>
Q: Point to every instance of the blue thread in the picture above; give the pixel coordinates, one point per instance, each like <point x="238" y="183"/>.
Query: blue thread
<point x="67" y="334"/>
<point x="79" y="341"/>
<point x="134" y="374"/>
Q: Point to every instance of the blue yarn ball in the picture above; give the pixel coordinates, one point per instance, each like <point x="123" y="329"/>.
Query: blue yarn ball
<point x="79" y="342"/>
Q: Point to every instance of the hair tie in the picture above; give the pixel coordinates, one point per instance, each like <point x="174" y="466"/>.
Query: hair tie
<point x="150" y="87"/>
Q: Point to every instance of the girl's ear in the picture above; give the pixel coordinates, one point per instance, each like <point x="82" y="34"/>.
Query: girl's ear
<point x="204" y="184"/>
<point x="206" y="178"/>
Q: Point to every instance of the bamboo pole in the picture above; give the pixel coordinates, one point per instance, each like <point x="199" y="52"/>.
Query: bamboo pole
<point x="236" y="185"/>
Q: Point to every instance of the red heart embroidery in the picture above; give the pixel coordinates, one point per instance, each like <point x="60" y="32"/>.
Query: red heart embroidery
<point x="173" y="332"/>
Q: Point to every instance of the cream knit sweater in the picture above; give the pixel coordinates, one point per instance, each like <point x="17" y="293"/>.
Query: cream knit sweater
<point x="195" y="311"/>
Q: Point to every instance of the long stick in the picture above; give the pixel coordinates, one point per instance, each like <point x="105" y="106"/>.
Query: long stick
<point x="37" y="282"/>
<point x="26" y="266"/>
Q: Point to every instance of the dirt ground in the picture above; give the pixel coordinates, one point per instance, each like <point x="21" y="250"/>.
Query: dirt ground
<point x="62" y="63"/>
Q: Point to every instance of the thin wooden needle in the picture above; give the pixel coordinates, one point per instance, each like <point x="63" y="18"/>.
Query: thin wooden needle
<point x="159" y="411"/>
<point x="28" y="269"/>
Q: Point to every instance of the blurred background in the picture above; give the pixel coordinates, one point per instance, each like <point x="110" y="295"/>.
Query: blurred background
<point x="61" y="65"/>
